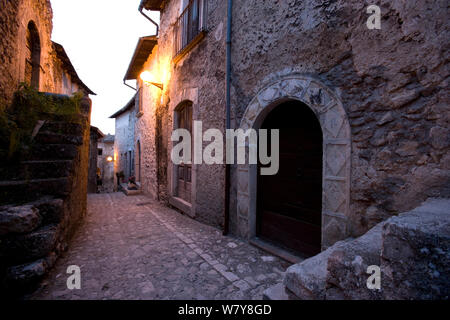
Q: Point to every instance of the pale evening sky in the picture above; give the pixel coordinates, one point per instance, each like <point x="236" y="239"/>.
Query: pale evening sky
<point x="100" y="37"/>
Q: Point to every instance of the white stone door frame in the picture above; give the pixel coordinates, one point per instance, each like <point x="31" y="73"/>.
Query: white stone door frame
<point x="336" y="153"/>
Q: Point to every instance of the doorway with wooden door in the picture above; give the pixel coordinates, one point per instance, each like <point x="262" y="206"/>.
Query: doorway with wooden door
<point x="184" y="170"/>
<point x="289" y="204"/>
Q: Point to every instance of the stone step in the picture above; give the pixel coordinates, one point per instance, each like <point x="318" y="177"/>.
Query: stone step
<point x="307" y="280"/>
<point x="47" y="137"/>
<point x="348" y="264"/>
<point x="67" y="118"/>
<point x="124" y="187"/>
<point x="278" y="292"/>
<point x="25" y="191"/>
<point x="415" y="259"/>
<point x="61" y="127"/>
<point x="22" y="248"/>
<point x="340" y="272"/>
<point x="40" y="169"/>
<point x="53" y="152"/>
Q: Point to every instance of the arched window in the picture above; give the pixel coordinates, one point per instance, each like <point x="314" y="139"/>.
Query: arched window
<point x="33" y="56"/>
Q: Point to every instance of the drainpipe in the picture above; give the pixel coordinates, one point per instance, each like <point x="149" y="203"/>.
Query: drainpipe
<point x="141" y="10"/>
<point x="226" y="224"/>
<point x="125" y="83"/>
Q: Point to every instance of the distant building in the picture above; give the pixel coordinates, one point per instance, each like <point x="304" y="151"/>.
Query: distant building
<point x="28" y="54"/>
<point x="105" y="164"/>
<point x="96" y="136"/>
<point x="124" y="148"/>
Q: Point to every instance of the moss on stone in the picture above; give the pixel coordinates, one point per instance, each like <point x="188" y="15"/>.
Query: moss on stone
<point x="18" y="120"/>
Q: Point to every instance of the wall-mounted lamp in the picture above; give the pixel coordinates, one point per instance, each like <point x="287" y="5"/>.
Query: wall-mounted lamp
<point x="109" y="159"/>
<point x="147" y="77"/>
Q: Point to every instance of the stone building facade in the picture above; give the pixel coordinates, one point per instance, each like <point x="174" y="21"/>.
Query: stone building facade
<point x="28" y="54"/>
<point x="372" y="109"/>
<point x="105" y="162"/>
<point x="124" y="142"/>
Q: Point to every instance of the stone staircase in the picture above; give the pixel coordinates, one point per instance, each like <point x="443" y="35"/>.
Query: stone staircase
<point x="42" y="199"/>
<point x="411" y="249"/>
<point x="48" y="166"/>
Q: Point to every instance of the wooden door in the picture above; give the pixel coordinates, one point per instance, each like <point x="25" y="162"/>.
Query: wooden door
<point x="184" y="170"/>
<point x="290" y="202"/>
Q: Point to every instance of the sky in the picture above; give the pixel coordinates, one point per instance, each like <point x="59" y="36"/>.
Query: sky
<point x="100" y="37"/>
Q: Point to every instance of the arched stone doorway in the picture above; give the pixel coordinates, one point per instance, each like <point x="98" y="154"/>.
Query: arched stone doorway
<point x="335" y="128"/>
<point x="33" y="56"/>
<point x="289" y="203"/>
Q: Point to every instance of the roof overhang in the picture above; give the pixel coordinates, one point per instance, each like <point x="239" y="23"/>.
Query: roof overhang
<point x="127" y="107"/>
<point x="153" y="5"/>
<point x="67" y="65"/>
<point x="143" y="49"/>
<point x="109" y="138"/>
<point x="97" y="131"/>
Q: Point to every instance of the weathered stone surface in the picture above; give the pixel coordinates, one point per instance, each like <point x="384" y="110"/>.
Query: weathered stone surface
<point x="440" y="137"/>
<point x="346" y="275"/>
<point x="278" y="292"/>
<point x="412" y="251"/>
<point x="20" y="219"/>
<point x="307" y="280"/>
<point x="52" y="211"/>
<point x="26" y="273"/>
<point x="34" y="245"/>
<point x="415" y="257"/>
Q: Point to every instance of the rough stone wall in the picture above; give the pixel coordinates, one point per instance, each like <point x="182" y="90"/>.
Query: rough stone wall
<point x="14" y="18"/>
<point x="76" y="203"/>
<point x="9" y="27"/>
<point x="190" y="79"/>
<point x="93" y="154"/>
<point x="393" y="84"/>
<point x="145" y="133"/>
<point x="35" y="234"/>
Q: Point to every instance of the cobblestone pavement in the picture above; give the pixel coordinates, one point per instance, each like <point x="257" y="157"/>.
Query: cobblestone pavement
<point x="135" y="248"/>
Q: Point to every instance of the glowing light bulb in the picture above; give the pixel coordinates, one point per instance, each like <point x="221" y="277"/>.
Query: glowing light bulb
<point x="146" y="76"/>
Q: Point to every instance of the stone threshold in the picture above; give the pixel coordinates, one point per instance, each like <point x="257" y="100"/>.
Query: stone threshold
<point x="276" y="251"/>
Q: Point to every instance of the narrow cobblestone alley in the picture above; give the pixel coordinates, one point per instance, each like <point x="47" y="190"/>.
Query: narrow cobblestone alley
<point x="134" y="248"/>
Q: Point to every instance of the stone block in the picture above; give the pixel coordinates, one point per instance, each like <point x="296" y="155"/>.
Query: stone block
<point x="347" y="267"/>
<point x="21" y="275"/>
<point x="415" y="259"/>
<point x="52" y="211"/>
<point x="31" y="246"/>
<point x="278" y="292"/>
<point x="21" y="219"/>
<point x="307" y="280"/>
